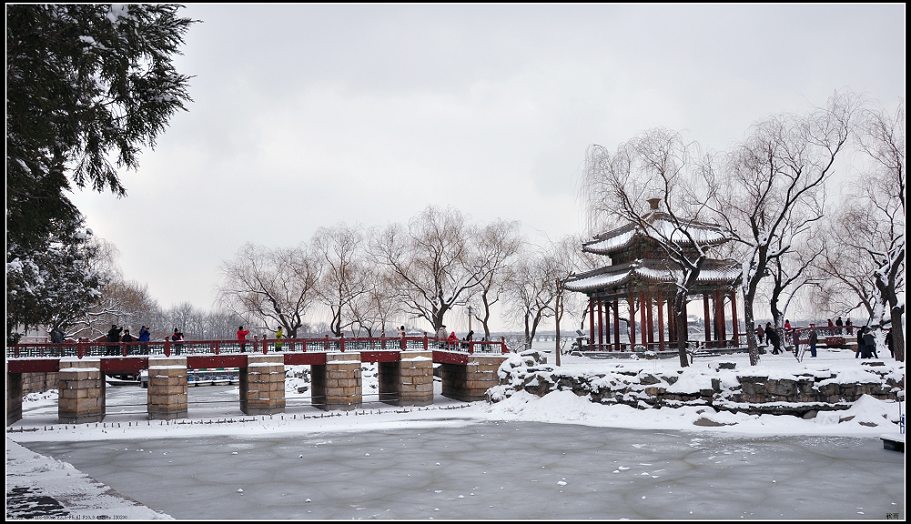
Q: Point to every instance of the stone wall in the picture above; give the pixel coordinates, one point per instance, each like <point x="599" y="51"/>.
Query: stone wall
<point x="38" y="382"/>
<point x="802" y="394"/>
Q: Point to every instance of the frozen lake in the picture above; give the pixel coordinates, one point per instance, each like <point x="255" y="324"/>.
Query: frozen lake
<point x="488" y="470"/>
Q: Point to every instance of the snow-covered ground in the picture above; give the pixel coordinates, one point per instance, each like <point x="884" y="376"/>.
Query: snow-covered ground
<point x="872" y="418"/>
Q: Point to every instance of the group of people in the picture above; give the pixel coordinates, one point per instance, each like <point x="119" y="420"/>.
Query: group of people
<point x="114" y="336"/>
<point x="866" y="344"/>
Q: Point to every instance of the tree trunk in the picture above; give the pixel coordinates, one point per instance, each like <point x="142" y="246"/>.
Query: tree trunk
<point x="682" y="335"/>
<point x="898" y="333"/>
<point x="751" y="329"/>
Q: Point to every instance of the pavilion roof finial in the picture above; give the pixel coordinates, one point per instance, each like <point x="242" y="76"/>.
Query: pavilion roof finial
<point x="653" y="203"/>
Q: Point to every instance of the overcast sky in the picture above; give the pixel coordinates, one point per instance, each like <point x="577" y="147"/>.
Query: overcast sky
<point x="311" y="115"/>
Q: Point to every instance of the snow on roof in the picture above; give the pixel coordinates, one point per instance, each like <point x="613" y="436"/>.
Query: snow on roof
<point x="662" y="227"/>
<point x="722" y="271"/>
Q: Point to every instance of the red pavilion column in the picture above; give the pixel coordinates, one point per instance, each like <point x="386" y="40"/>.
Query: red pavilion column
<point x="591" y="322"/>
<point x="607" y="324"/>
<point x="718" y="299"/>
<point x="648" y="316"/>
<point x="617" y="324"/>
<point x="734" y="318"/>
<point x="632" y="322"/>
<point x="671" y="321"/>
<point x="708" y="319"/>
<point x="600" y="326"/>
<point x="644" y="326"/>
<point x="660" y="305"/>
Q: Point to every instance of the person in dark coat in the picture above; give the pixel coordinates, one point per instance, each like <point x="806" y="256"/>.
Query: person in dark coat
<point x="57" y="336"/>
<point x="838" y="325"/>
<point x="759" y="333"/>
<point x="127" y="337"/>
<point x="889" y="343"/>
<point x="113" y="336"/>
<point x="860" y="342"/>
<point x="813" y="340"/>
<point x="869" y="344"/>
<point x="849" y="326"/>
<point x="772" y="338"/>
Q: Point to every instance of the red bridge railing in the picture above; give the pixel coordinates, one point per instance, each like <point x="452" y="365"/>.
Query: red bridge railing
<point x="263" y="346"/>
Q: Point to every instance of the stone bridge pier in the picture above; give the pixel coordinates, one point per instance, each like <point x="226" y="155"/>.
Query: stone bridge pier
<point x="262" y="385"/>
<point x="167" y="395"/>
<point x="80" y="390"/>
<point x="469" y="382"/>
<point x="337" y="385"/>
<point x="13" y="397"/>
<point x="408" y="382"/>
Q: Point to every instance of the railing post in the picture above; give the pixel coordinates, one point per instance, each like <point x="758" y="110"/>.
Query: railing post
<point x="217" y="346"/>
<point x="503" y="348"/>
<point x="167" y="347"/>
<point x="471" y="346"/>
<point x="426" y="344"/>
<point x="341" y="342"/>
<point x="123" y="349"/>
<point x="383" y="341"/>
<point x="80" y="349"/>
<point x="265" y="345"/>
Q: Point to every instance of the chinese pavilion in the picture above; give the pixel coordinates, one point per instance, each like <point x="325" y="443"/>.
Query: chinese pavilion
<point x="641" y="275"/>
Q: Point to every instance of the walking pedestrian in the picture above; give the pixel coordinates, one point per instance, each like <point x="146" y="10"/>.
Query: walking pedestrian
<point x="772" y="338"/>
<point x="849" y="326"/>
<point x="860" y="342"/>
<point x="814" y="339"/>
<point x="838" y="325"/>
<point x="242" y="338"/>
<point x="759" y="333"/>
<point x="795" y="339"/>
<point x="889" y="343"/>
<point x="869" y="343"/>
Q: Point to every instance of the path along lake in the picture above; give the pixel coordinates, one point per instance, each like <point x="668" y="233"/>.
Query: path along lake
<point x="487" y="470"/>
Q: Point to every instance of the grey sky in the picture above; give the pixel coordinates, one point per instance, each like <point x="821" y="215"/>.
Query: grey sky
<point x="311" y="115"/>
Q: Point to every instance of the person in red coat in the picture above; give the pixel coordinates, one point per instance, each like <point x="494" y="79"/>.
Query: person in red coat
<point x="453" y="339"/>
<point x="242" y="338"/>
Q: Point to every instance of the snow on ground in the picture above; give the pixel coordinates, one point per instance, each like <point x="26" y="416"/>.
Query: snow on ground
<point x="85" y="498"/>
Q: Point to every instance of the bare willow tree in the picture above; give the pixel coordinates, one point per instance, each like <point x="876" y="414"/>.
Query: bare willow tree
<point x="531" y="289"/>
<point x="275" y="286"/>
<point x="772" y="190"/>
<point x="430" y="262"/>
<point x="374" y="310"/>
<point x="847" y="281"/>
<point x="880" y="219"/>
<point x="495" y="247"/>
<point x="657" y="163"/>
<point x="794" y="272"/>
<point x="345" y="273"/>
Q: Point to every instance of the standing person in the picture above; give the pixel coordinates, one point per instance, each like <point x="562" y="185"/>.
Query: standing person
<point x="814" y="339"/>
<point x="113" y="336"/>
<point x="402" y="334"/>
<point x="242" y="338"/>
<point x="860" y="342"/>
<point x="441" y="336"/>
<point x="849" y="326"/>
<point x="453" y="339"/>
<point x="869" y="343"/>
<point x="144" y="337"/>
<point x="279" y="335"/>
<point x="795" y="338"/>
<point x="176" y="337"/>
<point x="759" y="333"/>
<point x="831" y="326"/>
<point x="772" y="338"/>
<point x="787" y="325"/>
<point x="127" y="337"/>
<point x="57" y="336"/>
<point x="889" y="343"/>
<point x="838" y="325"/>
